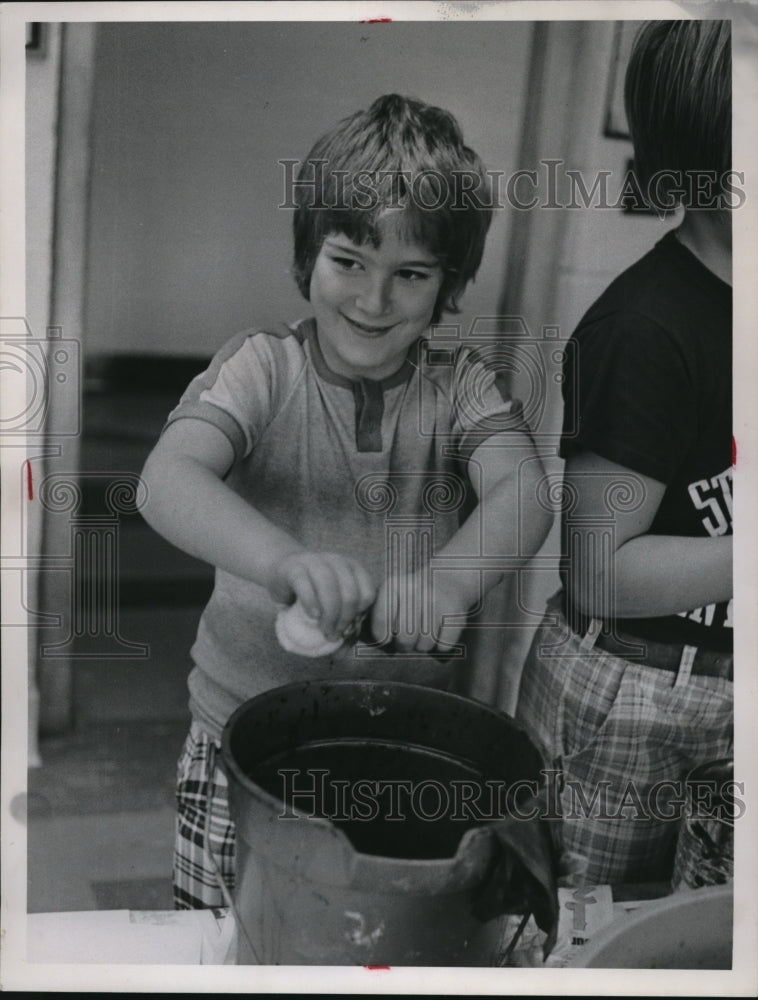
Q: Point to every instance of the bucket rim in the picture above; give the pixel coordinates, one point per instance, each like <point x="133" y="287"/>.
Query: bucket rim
<point x="346" y="682"/>
<point x="468" y="838"/>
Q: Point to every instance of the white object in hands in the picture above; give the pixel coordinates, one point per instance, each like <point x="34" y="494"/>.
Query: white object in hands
<point x="298" y="633"/>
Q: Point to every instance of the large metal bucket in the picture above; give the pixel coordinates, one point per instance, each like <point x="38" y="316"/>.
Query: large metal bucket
<point x="334" y="868"/>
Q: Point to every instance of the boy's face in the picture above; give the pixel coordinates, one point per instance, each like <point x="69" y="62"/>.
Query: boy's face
<point x="371" y="303"/>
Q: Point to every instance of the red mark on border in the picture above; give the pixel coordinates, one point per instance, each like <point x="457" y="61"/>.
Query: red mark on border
<point x="377" y="968"/>
<point x="375" y="20"/>
<point x="734" y="451"/>
<point x="29" y="481"/>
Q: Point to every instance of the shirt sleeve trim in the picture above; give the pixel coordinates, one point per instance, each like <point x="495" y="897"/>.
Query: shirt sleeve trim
<point x="214" y="415"/>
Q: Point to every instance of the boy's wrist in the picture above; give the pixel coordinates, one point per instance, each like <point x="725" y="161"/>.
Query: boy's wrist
<point x="274" y="575"/>
<point x="463" y="586"/>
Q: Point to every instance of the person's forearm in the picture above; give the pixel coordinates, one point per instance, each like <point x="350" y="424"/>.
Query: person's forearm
<point x="507" y="527"/>
<point x="210" y="521"/>
<point x="656" y="575"/>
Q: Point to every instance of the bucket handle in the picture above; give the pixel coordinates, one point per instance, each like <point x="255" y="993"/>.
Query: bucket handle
<point x="228" y="898"/>
<point x="515" y="939"/>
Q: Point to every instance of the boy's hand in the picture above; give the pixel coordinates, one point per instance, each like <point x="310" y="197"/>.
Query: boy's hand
<point x="410" y="611"/>
<point x="332" y="588"/>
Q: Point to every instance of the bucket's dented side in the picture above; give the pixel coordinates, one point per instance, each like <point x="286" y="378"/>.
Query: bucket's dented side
<point x="304" y="894"/>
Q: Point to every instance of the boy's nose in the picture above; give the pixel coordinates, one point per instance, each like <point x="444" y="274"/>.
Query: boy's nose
<point x="374" y="296"/>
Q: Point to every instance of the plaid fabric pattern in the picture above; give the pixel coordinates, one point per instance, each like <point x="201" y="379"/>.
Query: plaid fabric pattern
<point x="618" y="729"/>
<point x="195" y="881"/>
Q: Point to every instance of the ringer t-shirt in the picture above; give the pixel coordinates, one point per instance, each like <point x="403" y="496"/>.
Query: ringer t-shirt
<point x="376" y="470"/>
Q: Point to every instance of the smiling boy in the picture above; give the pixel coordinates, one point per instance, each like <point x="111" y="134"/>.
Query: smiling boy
<point x="372" y="304"/>
<point x="282" y="461"/>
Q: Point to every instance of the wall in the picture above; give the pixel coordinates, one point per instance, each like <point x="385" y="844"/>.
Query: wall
<point x="187" y="244"/>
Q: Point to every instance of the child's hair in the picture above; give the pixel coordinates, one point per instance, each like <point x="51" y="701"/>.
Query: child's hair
<point x="678" y="96"/>
<point x="399" y="155"/>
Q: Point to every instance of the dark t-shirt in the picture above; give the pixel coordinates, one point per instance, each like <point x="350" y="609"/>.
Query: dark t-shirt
<point x="649" y="386"/>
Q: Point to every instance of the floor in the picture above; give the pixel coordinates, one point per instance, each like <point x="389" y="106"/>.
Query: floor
<point x="100" y="808"/>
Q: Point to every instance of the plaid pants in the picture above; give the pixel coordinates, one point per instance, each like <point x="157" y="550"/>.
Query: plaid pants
<point x="196" y="883"/>
<point x="622" y="732"/>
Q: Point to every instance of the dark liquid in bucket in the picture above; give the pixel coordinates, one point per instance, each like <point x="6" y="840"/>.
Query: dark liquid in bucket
<point x="400" y="801"/>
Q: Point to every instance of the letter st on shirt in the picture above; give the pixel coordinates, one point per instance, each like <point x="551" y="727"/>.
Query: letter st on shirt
<point x="714" y="497"/>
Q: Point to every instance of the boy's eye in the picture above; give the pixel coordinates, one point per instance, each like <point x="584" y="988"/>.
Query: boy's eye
<point x="347" y="263"/>
<point x="408" y="274"/>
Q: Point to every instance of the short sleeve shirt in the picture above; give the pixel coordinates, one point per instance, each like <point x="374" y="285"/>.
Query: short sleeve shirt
<point x="649" y="386"/>
<point x="374" y="470"/>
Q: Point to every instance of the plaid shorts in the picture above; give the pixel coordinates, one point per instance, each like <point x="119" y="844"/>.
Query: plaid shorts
<point x="620" y="732"/>
<point x="196" y="884"/>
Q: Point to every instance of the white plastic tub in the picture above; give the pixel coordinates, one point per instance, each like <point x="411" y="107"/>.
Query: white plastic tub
<point x="689" y="930"/>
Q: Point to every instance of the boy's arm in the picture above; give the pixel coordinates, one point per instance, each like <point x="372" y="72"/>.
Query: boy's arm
<point x="507" y="521"/>
<point x="190" y="504"/>
<point x="650" y="575"/>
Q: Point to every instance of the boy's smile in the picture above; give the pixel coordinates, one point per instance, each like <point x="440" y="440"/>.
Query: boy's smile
<point x="372" y="303"/>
